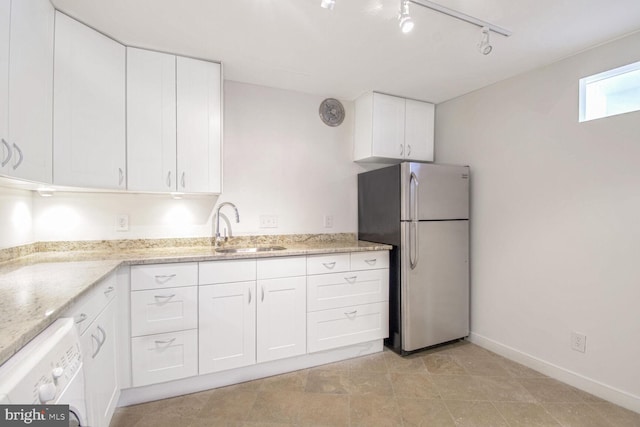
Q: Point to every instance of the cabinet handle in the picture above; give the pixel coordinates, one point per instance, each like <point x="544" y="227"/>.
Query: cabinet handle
<point x="329" y="265"/>
<point x="104" y="335"/>
<point x="165" y="296"/>
<point x="371" y="261"/>
<point x="351" y="279"/>
<point x="262" y="299"/>
<point x="182" y="180"/>
<point x="95" y="353"/>
<point x="164" y="278"/>
<point x="351" y="313"/>
<point x="167" y="343"/>
<point x="401" y="149"/>
<point x="81" y="318"/>
<point x="120" y="176"/>
<point x="19" y="162"/>
<point x="169" y="179"/>
<point x="9" y="153"/>
<point x="249" y="296"/>
<point x="408" y="150"/>
<point x="109" y="290"/>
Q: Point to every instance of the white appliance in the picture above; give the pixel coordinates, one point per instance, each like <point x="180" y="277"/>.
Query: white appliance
<point x="48" y="370"/>
<point x="422" y="209"/>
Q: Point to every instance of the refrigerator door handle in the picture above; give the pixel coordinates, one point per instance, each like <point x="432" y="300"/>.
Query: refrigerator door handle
<point x="413" y="230"/>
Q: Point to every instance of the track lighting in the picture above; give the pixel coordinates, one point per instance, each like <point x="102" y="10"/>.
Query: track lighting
<point x="404" y="19"/>
<point x="328" y="4"/>
<point x="484" y="47"/>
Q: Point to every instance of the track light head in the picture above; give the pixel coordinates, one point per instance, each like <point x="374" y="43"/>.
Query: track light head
<point x="404" y="19"/>
<point x="328" y="4"/>
<point x="484" y="47"/>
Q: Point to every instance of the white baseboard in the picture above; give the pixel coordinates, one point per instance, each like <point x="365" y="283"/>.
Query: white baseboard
<point x="198" y="383"/>
<point x="603" y="391"/>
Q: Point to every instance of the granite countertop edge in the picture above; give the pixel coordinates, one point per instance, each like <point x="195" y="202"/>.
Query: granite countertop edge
<point x="22" y="274"/>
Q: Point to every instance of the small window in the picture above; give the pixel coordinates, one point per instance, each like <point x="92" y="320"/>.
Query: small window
<point x="612" y="92"/>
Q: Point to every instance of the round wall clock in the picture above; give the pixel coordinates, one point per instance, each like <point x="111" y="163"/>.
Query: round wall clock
<point x="331" y="112"/>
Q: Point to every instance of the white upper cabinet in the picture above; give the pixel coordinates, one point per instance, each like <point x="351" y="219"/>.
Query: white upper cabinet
<point x="199" y="126"/>
<point x="391" y="129"/>
<point x="25" y="119"/>
<point x="5" y="19"/>
<point x="151" y="120"/>
<point x="89" y="107"/>
<point x="173" y="123"/>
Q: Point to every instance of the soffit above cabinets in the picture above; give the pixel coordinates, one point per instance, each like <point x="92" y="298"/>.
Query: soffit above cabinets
<point x="357" y="46"/>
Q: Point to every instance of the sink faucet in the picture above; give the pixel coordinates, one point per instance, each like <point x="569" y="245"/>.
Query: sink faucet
<point x="220" y="206"/>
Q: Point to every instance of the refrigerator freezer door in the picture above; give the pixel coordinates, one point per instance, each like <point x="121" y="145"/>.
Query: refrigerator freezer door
<point x="435" y="293"/>
<point x="436" y="192"/>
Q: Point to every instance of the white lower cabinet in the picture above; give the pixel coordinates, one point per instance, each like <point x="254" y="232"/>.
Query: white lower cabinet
<point x="281" y="318"/>
<point x="227" y="326"/>
<point x="164" y="321"/>
<point x="164" y="357"/>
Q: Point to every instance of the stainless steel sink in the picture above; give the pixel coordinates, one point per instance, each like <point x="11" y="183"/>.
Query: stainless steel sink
<point x="250" y="250"/>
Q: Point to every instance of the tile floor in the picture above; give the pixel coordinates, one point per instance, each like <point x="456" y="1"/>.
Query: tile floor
<point x="456" y="385"/>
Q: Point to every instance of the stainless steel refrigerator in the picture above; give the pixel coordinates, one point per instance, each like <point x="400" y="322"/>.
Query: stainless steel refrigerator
<point x="422" y="209"/>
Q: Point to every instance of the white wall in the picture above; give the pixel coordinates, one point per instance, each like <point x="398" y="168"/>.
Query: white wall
<point x="555" y="221"/>
<point x="279" y="159"/>
<point x="15" y="218"/>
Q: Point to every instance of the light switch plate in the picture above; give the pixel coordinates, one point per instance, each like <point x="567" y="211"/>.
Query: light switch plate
<point x="268" y="221"/>
<point x="122" y="222"/>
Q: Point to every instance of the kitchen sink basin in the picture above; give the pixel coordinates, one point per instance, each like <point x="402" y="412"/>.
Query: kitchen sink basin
<point x="250" y="249"/>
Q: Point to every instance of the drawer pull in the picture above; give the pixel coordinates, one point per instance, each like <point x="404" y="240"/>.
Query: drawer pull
<point x="371" y="261"/>
<point x="166" y="343"/>
<point x="164" y="296"/>
<point x="109" y="290"/>
<point x="164" y="278"/>
<point x="81" y="318"/>
<point x="329" y="265"/>
<point x="351" y="314"/>
<point x="351" y="279"/>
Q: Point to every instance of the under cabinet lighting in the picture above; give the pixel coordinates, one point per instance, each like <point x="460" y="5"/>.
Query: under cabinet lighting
<point x="46" y="192"/>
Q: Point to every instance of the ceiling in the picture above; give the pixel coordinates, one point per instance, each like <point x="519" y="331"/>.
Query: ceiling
<point x="357" y="46"/>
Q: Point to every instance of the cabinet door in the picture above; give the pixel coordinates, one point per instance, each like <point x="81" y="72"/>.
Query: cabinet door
<point x="89" y="107"/>
<point x="418" y="132"/>
<point x="101" y="375"/>
<point x="199" y="126"/>
<point x="5" y="148"/>
<point x="388" y="126"/>
<point x="227" y="329"/>
<point x="151" y="120"/>
<point x="31" y="89"/>
<point x="281" y="326"/>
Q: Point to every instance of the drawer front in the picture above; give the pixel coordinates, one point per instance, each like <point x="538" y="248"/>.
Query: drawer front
<point x="241" y="270"/>
<point x="156" y="311"/>
<point x="328" y="291"/>
<point x="92" y="305"/>
<point x="329" y="329"/>
<point x="271" y="268"/>
<point x="369" y="260"/>
<point x="163" y="276"/>
<point x="164" y="357"/>
<point x="321" y="264"/>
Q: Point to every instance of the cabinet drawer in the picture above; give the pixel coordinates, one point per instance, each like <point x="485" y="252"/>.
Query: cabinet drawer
<point x="328" y="291"/>
<point x="272" y="268"/>
<point x="164" y="357"/>
<point x="369" y="260"/>
<point x="345" y="326"/>
<point x="164" y="310"/>
<point x="92" y="305"/>
<point x="242" y="270"/>
<point x="333" y="263"/>
<point x="163" y="276"/>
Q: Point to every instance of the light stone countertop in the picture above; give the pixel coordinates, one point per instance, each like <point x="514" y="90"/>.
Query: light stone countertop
<point x="37" y="289"/>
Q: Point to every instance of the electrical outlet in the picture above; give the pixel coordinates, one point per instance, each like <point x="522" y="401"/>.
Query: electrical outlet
<point x="578" y="342"/>
<point x="328" y="221"/>
<point x="122" y="222"/>
<point x="268" y="221"/>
